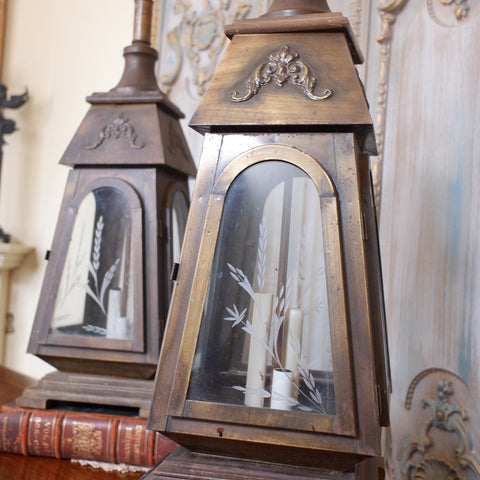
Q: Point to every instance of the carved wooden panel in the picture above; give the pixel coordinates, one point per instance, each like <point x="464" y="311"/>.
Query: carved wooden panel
<point x="427" y="113"/>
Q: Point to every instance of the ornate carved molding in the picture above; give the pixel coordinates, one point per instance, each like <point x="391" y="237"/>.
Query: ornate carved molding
<point x="200" y="40"/>
<point x="282" y="67"/>
<point x="355" y="16"/>
<point x="428" y="454"/>
<point x="388" y="12"/>
<point x="120" y="127"/>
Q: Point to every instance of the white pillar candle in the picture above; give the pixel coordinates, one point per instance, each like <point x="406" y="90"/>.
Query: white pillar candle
<point x="122" y="328"/>
<point x="113" y="312"/>
<point x="281" y="389"/>
<point x="292" y="345"/>
<point x="257" y="354"/>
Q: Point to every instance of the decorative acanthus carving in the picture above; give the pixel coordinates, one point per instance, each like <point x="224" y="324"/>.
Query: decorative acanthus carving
<point x="120" y="127"/>
<point x="281" y="68"/>
<point x="419" y="455"/>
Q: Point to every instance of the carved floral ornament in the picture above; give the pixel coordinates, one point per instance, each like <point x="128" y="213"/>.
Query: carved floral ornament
<point x="282" y="67"/>
<point x="419" y="454"/>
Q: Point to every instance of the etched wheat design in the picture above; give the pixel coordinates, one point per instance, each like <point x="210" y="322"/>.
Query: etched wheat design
<point x="97" y="293"/>
<point x="261" y="255"/>
<point x="312" y="395"/>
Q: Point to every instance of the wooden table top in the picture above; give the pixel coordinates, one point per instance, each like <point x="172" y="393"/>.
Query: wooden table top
<point x="19" y="467"/>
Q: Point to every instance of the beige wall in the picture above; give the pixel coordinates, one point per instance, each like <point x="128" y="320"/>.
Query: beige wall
<point x="62" y="51"/>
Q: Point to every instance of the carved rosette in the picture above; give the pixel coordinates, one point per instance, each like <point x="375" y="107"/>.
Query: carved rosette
<point x="282" y="67"/>
<point x="118" y="128"/>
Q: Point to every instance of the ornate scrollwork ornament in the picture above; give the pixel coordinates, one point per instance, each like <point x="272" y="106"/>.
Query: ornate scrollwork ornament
<point x="120" y="127"/>
<point x="282" y="67"/>
<point x="416" y="453"/>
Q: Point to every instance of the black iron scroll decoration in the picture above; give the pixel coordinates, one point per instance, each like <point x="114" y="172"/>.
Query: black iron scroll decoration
<point x="8" y="126"/>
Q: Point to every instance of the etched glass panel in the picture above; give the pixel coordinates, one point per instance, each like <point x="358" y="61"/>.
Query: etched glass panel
<point x="264" y="339"/>
<point x="95" y="294"/>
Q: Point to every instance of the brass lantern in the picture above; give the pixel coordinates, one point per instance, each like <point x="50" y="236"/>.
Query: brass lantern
<point x="275" y="348"/>
<point x="107" y="286"/>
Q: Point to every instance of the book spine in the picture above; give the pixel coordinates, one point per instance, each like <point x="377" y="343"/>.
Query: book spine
<point x="13" y="431"/>
<point x="88" y="437"/>
<point x="74" y="435"/>
<point x="41" y="431"/>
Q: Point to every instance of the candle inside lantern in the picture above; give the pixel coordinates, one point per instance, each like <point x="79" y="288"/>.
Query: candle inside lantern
<point x="282" y="390"/>
<point x="257" y="355"/>
<point x="292" y="345"/>
<point x="116" y="328"/>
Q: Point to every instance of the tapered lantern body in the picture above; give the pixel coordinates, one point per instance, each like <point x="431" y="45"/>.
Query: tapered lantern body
<point x="105" y="295"/>
<point x="275" y="346"/>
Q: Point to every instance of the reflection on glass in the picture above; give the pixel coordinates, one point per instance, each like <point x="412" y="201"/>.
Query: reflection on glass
<point x="179" y="221"/>
<point x="264" y="338"/>
<point x="95" y="295"/>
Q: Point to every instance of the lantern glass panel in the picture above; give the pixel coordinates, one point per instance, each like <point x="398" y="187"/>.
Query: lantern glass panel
<point x="95" y="295"/>
<point x="264" y="338"/>
<point x="179" y="221"/>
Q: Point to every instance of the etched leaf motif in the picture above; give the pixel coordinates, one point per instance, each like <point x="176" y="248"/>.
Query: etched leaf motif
<point x="261" y="392"/>
<point x="235" y="316"/>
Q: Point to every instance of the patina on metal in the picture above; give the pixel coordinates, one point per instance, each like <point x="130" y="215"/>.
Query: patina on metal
<point x="104" y="300"/>
<point x="275" y="163"/>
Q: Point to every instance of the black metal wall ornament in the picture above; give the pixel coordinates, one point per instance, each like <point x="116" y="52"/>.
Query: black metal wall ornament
<point x="7" y="126"/>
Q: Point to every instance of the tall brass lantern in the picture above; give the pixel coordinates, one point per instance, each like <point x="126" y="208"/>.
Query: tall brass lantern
<point x="275" y="348"/>
<point x="105" y="295"/>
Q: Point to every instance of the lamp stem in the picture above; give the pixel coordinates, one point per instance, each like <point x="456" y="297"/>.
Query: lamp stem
<point x="297" y="7"/>
<point x="143" y="21"/>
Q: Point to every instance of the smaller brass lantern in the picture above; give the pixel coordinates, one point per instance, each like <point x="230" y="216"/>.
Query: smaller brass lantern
<point x="105" y="295"/>
<point x="275" y="346"/>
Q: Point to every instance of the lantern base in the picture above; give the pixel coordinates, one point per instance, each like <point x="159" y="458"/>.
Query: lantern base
<point x="62" y="388"/>
<point x="183" y="464"/>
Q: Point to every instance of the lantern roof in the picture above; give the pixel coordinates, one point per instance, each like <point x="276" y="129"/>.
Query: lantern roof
<point x="292" y="69"/>
<point x="134" y="123"/>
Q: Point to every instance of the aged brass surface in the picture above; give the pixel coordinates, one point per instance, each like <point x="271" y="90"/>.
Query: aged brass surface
<point x="328" y="142"/>
<point x="120" y="257"/>
<point x="321" y="52"/>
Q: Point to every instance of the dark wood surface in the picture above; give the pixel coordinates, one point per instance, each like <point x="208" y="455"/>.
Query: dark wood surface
<point x="19" y="467"/>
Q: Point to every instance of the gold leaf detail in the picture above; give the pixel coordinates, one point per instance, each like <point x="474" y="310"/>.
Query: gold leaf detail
<point x="87" y="441"/>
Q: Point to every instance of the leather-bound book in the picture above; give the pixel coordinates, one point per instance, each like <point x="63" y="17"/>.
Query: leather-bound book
<point x="81" y="435"/>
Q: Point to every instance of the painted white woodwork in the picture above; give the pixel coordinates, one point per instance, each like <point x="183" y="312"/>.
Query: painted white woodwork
<point x="429" y="113"/>
<point x="12" y="256"/>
